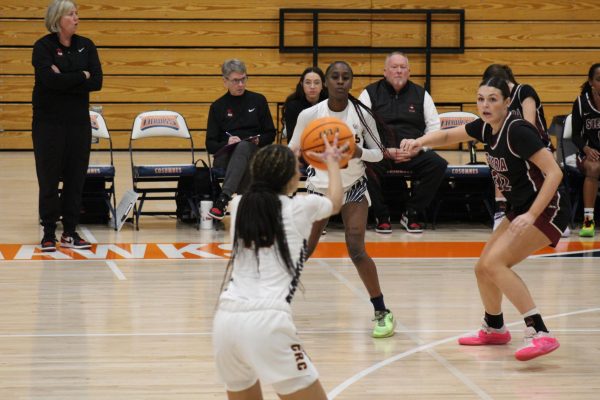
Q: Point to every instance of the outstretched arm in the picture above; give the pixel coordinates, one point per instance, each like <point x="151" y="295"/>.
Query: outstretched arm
<point x="434" y="139"/>
<point x="331" y="156"/>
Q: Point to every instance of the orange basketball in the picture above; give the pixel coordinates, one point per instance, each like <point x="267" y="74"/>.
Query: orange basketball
<point x="312" y="140"/>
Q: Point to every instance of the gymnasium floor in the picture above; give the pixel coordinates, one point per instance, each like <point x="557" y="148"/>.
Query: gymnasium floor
<point x="131" y="318"/>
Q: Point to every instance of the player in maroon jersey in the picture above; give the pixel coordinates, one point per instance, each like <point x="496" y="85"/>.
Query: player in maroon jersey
<point x="528" y="176"/>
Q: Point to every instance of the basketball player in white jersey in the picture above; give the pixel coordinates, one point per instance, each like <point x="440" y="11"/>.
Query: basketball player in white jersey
<point x="254" y="335"/>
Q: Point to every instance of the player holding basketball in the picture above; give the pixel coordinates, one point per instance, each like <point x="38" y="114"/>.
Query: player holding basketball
<point x="360" y="120"/>
<point x="254" y="335"/>
<point x="527" y="174"/>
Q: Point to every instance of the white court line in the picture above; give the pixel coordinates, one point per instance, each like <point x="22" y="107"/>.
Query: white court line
<point x="353" y="379"/>
<point x="300" y="332"/>
<point x="115" y="269"/>
<point x="444" y="362"/>
<point x="557" y="256"/>
<point x="87" y="234"/>
<point x="564" y="254"/>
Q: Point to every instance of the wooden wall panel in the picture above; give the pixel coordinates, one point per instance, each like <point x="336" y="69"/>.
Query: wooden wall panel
<point x="535" y="10"/>
<point x="128" y="89"/>
<point x="168" y="54"/>
<point x="233" y="33"/>
<point x="153" y="33"/>
<point x="464" y="89"/>
<point x="530" y="10"/>
<point x="17" y="117"/>
<point x="119" y="118"/>
<point x="532" y="34"/>
<point x="266" y="34"/>
<point x="148" y="61"/>
<point x="135" y="61"/>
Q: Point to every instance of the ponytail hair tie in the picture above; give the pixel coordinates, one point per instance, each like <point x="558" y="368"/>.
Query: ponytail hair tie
<point x="261" y="186"/>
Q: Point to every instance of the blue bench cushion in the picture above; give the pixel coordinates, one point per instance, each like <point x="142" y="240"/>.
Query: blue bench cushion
<point x="103" y="171"/>
<point x="164" y="170"/>
<point x="468" y="171"/>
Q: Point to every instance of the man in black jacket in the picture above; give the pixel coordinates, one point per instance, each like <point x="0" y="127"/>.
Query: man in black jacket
<point x="239" y="123"/>
<point x="408" y="110"/>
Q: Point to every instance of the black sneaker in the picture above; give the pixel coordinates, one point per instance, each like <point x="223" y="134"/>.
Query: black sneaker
<point x="73" y="241"/>
<point x="48" y="243"/>
<point x="410" y="223"/>
<point x="218" y="210"/>
<point x="383" y="225"/>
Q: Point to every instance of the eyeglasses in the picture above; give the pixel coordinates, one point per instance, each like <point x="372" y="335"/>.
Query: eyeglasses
<point x="238" y="81"/>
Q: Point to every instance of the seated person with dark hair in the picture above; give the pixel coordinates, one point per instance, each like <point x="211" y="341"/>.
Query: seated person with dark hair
<point x="239" y="116"/>
<point x="309" y="91"/>
<point x="408" y="110"/>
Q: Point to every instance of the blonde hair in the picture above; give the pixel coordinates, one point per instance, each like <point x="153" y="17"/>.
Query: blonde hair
<point x="56" y="10"/>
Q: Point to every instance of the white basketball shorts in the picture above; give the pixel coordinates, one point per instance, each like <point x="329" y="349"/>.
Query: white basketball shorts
<point x="257" y="339"/>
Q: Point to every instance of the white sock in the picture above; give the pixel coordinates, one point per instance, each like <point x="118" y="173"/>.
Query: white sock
<point x="531" y="312"/>
<point x="588" y="213"/>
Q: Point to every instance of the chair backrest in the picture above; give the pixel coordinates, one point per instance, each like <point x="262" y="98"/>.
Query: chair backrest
<point x="99" y="129"/>
<point x="160" y="123"/>
<point x="566" y="148"/>
<point x="568" y="129"/>
<point x="456" y="118"/>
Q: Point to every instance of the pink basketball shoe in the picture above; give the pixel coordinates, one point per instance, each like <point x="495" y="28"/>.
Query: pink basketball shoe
<point x="486" y="335"/>
<point x="537" y="344"/>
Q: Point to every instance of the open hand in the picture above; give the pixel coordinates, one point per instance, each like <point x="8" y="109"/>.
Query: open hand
<point x="520" y="223"/>
<point x="332" y="153"/>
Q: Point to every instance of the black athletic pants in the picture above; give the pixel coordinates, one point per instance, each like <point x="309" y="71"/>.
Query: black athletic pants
<point x="428" y="168"/>
<point x="237" y="164"/>
<point x="61" y="149"/>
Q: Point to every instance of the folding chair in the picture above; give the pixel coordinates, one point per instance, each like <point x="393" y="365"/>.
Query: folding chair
<point x="457" y="118"/>
<point x="158" y="181"/>
<point x="465" y="183"/>
<point x="567" y="154"/>
<point x="104" y="172"/>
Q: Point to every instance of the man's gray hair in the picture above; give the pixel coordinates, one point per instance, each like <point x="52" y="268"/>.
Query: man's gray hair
<point x="233" y="65"/>
<point x="396" y="53"/>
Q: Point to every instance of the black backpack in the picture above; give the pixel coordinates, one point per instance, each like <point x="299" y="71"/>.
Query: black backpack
<point x="94" y="208"/>
<point x="201" y="186"/>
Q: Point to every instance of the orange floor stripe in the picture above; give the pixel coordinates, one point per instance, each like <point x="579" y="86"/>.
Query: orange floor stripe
<point x="162" y="251"/>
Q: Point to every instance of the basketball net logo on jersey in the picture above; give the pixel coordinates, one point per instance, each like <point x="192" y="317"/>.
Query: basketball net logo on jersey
<point x="159" y="121"/>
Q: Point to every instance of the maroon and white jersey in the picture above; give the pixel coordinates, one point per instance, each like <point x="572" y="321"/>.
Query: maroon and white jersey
<point x="518" y="94"/>
<point x="585" y="123"/>
<point x="508" y="154"/>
